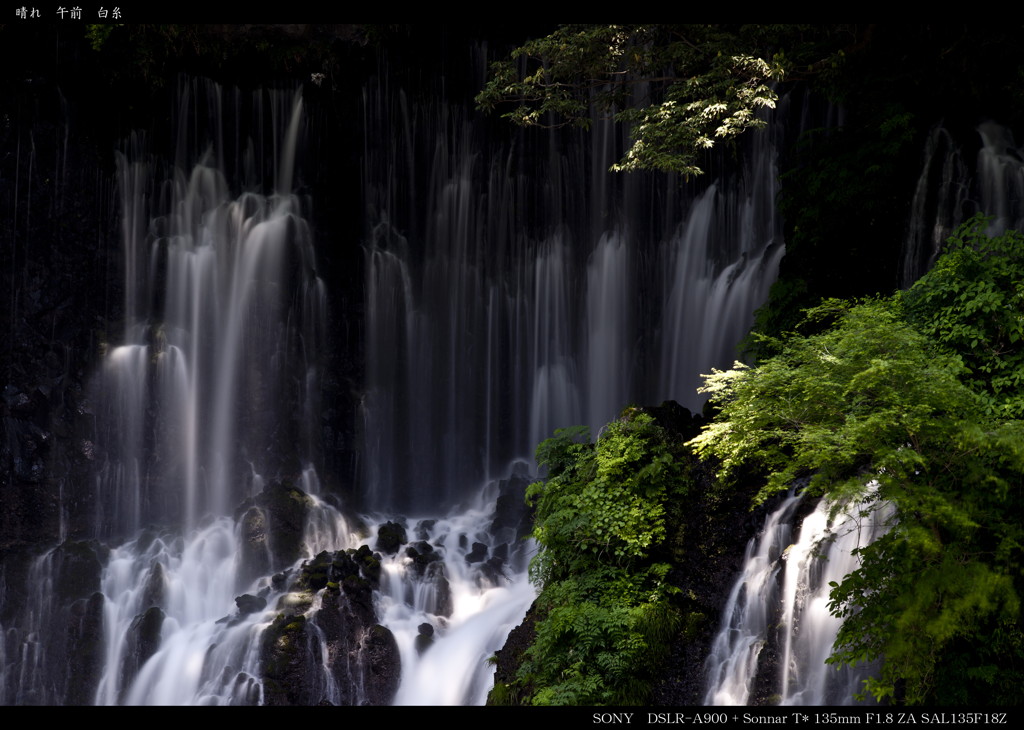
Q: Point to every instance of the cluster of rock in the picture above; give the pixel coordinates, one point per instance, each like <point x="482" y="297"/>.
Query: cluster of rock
<point x="325" y="645"/>
<point x="341" y="635"/>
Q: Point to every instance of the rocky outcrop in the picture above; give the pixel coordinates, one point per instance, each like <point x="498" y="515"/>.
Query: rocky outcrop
<point x="705" y="545"/>
<point x="383" y="667"/>
<point x="325" y="646"/>
<point x="507" y="661"/>
<point x="142" y="642"/>
<point x="390" y="537"/>
<point x="272" y="528"/>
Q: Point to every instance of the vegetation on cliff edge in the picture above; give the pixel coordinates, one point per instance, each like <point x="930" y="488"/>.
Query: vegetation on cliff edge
<point x="920" y="394"/>
<point x="605" y="615"/>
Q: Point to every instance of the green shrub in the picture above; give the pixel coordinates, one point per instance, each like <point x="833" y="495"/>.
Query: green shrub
<point x="605" y="616"/>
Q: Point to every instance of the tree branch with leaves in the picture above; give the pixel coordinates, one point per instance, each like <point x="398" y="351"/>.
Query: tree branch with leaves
<point x="683" y="89"/>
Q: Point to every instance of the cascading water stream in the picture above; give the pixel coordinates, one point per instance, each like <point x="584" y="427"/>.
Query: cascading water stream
<point x="733" y="660"/>
<point x="475" y="311"/>
<point x="510" y="286"/>
<point x="200" y="393"/>
<point x="521" y="289"/>
<point x="776" y="630"/>
<point x="948" y="192"/>
<point x="448" y="622"/>
<point x="207" y="435"/>
<point x="778" y="607"/>
<point x="511" y="291"/>
<point x="182" y="585"/>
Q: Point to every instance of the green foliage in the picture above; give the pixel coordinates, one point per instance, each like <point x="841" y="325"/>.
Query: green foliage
<point x="841" y="199"/>
<point x="97" y="34"/>
<point x="605" y="614"/>
<point x="972" y="303"/>
<point x="598" y="643"/>
<point x="836" y="406"/>
<point x="603" y="500"/>
<point x="682" y="88"/>
<point x="917" y="394"/>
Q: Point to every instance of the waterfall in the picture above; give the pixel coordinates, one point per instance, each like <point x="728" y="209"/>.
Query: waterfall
<point x="224" y="314"/>
<point x="232" y="577"/>
<point x="516" y="287"/>
<point x="493" y="284"/>
<point x="776" y="627"/>
<point x="776" y="630"/>
<point x="511" y="286"/>
<point x="209" y="392"/>
<point x="949" y="191"/>
<point x="449" y="622"/>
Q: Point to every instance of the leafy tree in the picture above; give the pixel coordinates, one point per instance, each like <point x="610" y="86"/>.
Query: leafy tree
<point x="972" y="303"/>
<point x="605" y="616"/>
<point x="914" y="394"/>
<point x="682" y="88"/>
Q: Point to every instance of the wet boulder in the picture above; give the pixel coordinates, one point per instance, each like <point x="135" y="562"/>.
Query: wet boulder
<point x="255" y="547"/>
<point x="288" y="673"/>
<point x="390" y="537"/>
<point x="156" y="586"/>
<point x="478" y="554"/>
<point x="424" y="637"/>
<point x="421" y="555"/>
<point x="143" y="640"/>
<point x="424" y="528"/>
<point x="317" y="572"/>
<point x="382" y="665"/>
<point x="248" y="604"/>
<point x="369" y="564"/>
<point x="273" y="531"/>
<point x="492" y="571"/>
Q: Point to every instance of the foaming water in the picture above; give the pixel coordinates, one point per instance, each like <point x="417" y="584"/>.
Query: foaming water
<point x="220" y="368"/>
<point x="448" y="621"/>
<point x="188" y="583"/>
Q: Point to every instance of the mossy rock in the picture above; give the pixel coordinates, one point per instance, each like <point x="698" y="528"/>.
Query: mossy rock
<point x="383" y="665"/>
<point x="282" y="654"/>
<point x="274" y="520"/>
<point x="295" y="603"/>
<point x="255" y="548"/>
<point x="390" y="537"/>
<point x="368" y="562"/>
<point x="316" y="572"/>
